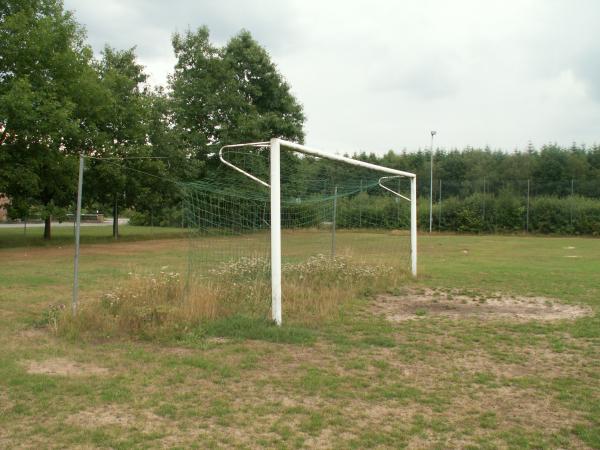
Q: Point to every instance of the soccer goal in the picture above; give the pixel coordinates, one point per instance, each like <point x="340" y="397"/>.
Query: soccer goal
<point x="266" y="208"/>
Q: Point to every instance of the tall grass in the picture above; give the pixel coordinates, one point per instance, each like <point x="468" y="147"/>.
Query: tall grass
<point x="167" y="305"/>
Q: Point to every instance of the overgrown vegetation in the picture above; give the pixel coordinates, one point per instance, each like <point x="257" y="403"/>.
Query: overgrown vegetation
<point x="166" y="305"/>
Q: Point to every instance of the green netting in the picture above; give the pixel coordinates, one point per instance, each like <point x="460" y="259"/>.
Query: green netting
<point x="327" y="208"/>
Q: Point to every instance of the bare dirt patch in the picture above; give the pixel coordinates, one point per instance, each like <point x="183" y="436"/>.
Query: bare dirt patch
<point x="64" y="367"/>
<point x="414" y="304"/>
<point x="35" y="334"/>
<point x="116" y="416"/>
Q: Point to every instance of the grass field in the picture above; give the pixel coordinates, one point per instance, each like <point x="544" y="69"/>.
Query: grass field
<point x="32" y="236"/>
<point x="357" y="381"/>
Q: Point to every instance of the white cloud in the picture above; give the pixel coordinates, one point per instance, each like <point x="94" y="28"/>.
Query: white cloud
<point x="375" y="75"/>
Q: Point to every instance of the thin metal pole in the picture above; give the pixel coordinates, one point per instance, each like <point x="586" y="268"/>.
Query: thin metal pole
<point x="413" y="225"/>
<point x="431" y="184"/>
<point x="355" y="162"/>
<point x="275" y="231"/>
<point x="484" y="200"/>
<point x="77" y="236"/>
<point x="440" y="208"/>
<point x="334" y="222"/>
<point x="398" y="209"/>
<point x="116" y="218"/>
<point x="527" y="222"/>
<point x="360" y="206"/>
<point x="571" y="204"/>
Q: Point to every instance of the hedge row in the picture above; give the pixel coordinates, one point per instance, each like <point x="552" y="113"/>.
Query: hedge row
<point x="478" y="213"/>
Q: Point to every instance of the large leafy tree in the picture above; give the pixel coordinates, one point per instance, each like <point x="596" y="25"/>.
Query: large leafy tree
<point x="158" y="196"/>
<point x="50" y="99"/>
<point x="229" y="95"/>
<point x="123" y="130"/>
<point x="269" y="109"/>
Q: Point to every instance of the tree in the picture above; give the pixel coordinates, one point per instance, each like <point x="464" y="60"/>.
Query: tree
<point x="269" y="109"/>
<point x="230" y="95"/>
<point x="124" y="129"/>
<point x="49" y="96"/>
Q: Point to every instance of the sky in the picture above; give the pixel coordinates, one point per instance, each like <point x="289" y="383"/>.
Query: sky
<point x="381" y="74"/>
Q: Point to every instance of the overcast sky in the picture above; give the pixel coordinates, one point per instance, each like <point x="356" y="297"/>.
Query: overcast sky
<point x="379" y="75"/>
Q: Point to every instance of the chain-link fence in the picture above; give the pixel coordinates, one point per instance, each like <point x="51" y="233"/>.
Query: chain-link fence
<point x="562" y="206"/>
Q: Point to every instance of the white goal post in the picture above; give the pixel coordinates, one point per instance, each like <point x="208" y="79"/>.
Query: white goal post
<point x="276" y="145"/>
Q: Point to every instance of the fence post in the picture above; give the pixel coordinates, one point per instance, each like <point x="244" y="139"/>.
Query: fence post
<point x="334" y="222"/>
<point x="440" y="208"/>
<point x="77" y="237"/>
<point x="360" y="206"/>
<point x="483" y="202"/>
<point x="527" y="214"/>
<point x="116" y="219"/>
<point x="398" y="202"/>
<point x="571" y="205"/>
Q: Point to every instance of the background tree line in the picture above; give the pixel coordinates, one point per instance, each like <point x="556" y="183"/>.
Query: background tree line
<point x="58" y="100"/>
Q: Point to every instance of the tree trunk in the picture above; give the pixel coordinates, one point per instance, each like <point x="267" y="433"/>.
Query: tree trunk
<point x="48" y="228"/>
<point x="116" y="219"/>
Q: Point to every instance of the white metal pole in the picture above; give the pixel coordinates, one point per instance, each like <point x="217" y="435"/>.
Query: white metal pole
<point x="77" y="234"/>
<point x="355" y="162"/>
<point x="413" y="225"/>
<point x="275" y="231"/>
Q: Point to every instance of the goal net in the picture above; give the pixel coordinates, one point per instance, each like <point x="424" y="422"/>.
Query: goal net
<point x="274" y="210"/>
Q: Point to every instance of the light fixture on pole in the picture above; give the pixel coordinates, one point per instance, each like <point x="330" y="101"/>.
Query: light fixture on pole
<point x="433" y="133"/>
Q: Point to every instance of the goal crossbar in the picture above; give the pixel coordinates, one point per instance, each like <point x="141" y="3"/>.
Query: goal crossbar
<point x="276" y="145"/>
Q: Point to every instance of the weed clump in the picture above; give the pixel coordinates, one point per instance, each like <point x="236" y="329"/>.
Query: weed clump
<point x="165" y="305"/>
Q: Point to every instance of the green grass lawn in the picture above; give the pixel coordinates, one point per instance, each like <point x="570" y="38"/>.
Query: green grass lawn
<point x="64" y="235"/>
<point x="357" y="381"/>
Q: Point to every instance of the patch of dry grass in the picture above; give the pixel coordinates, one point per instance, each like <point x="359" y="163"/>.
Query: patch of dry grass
<point x="166" y="304"/>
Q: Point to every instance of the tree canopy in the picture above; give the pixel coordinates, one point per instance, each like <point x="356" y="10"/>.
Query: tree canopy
<point x="58" y="100"/>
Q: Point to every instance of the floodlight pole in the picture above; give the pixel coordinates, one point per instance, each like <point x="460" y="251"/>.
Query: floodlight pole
<point x="275" y="231"/>
<point x="77" y="236"/>
<point x="433" y="133"/>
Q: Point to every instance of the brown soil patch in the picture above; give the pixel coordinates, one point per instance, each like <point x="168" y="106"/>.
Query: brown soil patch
<point x="217" y="340"/>
<point x="36" y="334"/>
<point x="424" y="303"/>
<point x="64" y="367"/>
